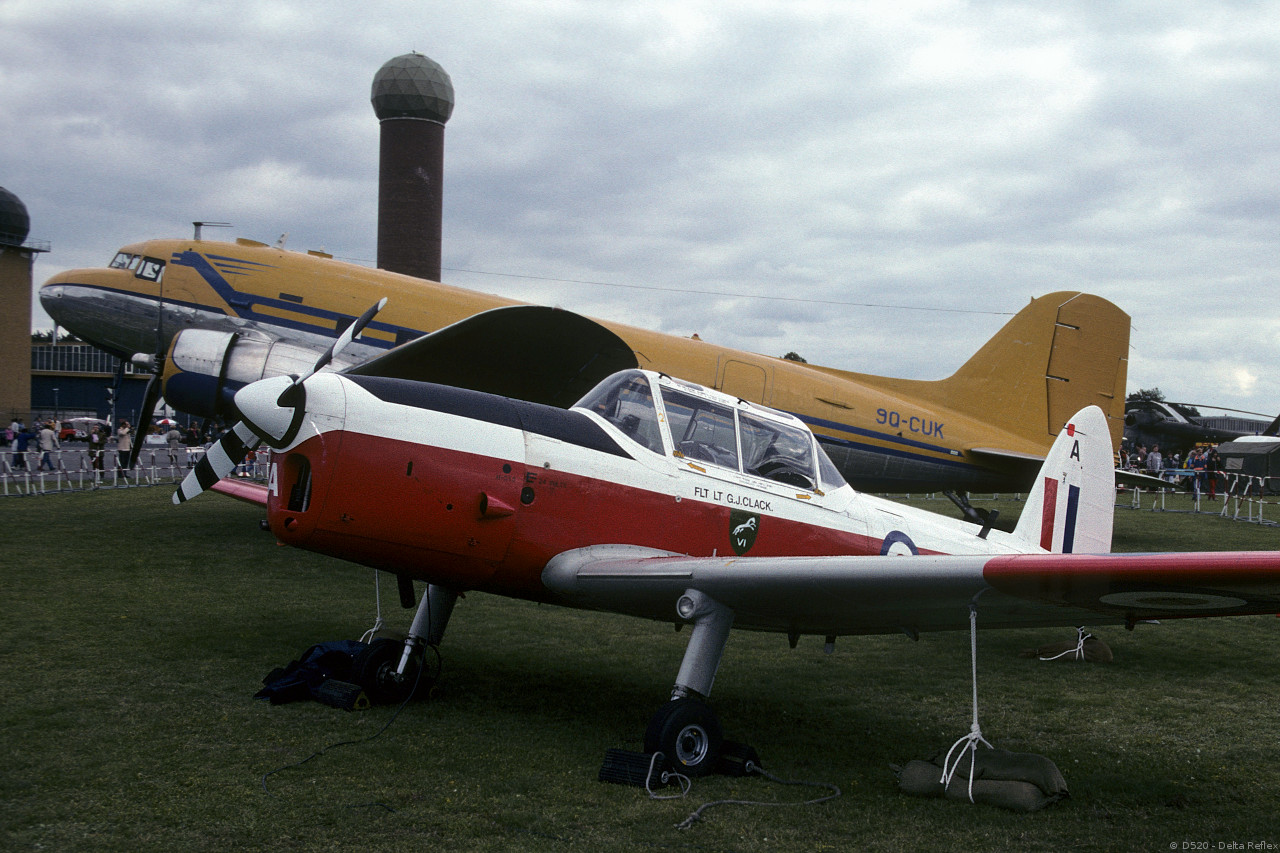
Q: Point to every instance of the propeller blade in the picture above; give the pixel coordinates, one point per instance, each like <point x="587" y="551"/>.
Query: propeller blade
<point x="149" y="400"/>
<point x="346" y="337"/>
<point x="221" y="459"/>
<point x="273" y="408"/>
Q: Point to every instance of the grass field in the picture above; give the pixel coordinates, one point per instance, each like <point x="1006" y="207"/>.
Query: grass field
<point x="135" y="634"/>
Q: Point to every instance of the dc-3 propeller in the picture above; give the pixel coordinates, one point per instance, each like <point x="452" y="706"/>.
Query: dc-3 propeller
<point x="271" y="411"/>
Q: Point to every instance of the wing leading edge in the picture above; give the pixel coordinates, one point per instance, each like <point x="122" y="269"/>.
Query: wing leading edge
<point x="871" y="594"/>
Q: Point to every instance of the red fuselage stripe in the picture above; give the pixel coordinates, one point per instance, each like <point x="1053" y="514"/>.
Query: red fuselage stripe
<point x="362" y="496"/>
<point x="1047" y="512"/>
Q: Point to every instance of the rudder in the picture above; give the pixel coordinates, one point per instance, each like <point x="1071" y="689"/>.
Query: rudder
<point x="1071" y="508"/>
<point x="1059" y="354"/>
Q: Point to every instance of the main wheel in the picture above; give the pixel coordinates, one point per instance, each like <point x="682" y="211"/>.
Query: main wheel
<point x="375" y="670"/>
<point x="688" y="733"/>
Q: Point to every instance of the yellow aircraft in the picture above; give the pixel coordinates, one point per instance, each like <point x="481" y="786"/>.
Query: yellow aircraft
<point x="217" y="316"/>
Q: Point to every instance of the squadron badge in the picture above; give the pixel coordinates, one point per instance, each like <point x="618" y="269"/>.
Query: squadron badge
<point x="743" y="527"/>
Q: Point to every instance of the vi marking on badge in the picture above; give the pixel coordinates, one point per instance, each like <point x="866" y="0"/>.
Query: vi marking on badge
<point x="743" y="527"/>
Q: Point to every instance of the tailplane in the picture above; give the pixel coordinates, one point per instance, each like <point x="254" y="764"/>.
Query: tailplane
<point x="1071" y="508"/>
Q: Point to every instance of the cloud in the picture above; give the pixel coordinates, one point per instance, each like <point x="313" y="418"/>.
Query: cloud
<point x="927" y="155"/>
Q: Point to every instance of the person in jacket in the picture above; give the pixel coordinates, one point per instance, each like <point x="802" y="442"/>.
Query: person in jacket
<point x="48" y="443"/>
<point x="124" y="444"/>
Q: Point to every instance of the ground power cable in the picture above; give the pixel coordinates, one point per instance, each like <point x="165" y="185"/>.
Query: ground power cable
<point x="750" y="767"/>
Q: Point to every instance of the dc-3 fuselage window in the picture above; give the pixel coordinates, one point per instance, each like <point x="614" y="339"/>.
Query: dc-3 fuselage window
<point x="626" y="401"/>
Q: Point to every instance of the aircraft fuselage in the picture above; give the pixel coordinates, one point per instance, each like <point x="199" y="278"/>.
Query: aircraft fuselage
<point x="884" y="434"/>
<point x="471" y="491"/>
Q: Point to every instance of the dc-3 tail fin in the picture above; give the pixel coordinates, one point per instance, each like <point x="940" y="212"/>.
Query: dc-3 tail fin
<point x="1072" y="505"/>
<point x="1062" y="352"/>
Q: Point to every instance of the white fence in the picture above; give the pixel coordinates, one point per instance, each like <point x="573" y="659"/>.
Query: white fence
<point x="1243" y="497"/>
<point x="75" y="469"/>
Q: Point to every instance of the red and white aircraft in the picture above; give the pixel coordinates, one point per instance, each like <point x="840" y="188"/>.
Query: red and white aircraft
<point x="665" y="500"/>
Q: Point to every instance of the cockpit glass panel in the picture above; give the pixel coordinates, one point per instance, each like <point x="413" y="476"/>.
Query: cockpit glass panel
<point x="778" y="451"/>
<point x="831" y="476"/>
<point x="124" y="261"/>
<point x="701" y="429"/>
<point x="626" y="401"/>
<point x="150" y="269"/>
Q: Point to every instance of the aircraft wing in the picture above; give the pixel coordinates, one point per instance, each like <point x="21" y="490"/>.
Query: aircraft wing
<point x="248" y="491"/>
<point x="530" y="352"/>
<point x="871" y="594"/>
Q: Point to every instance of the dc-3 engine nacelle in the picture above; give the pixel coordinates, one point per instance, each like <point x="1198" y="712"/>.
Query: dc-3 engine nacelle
<point x="206" y="368"/>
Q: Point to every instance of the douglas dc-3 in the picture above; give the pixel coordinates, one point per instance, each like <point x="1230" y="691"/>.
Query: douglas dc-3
<point x="217" y="316"/>
<point x="666" y="500"/>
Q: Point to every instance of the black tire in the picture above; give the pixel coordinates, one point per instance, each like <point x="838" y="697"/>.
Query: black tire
<point x="688" y="733"/>
<point x="375" y="671"/>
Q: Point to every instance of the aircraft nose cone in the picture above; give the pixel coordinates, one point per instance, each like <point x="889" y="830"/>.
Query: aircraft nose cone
<point x="65" y="302"/>
<point x="51" y="295"/>
<point x="259" y="405"/>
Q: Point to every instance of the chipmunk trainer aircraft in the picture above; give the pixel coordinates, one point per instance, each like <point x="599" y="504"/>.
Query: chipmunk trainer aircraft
<point x="670" y="501"/>
<point x="219" y="315"/>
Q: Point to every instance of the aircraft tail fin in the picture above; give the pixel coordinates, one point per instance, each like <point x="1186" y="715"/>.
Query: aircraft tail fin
<point x="1071" y="508"/>
<point x="1060" y="353"/>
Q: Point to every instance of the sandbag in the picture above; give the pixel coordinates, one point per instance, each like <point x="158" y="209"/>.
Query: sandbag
<point x="305" y="677"/>
<point x="1019" y="781"/>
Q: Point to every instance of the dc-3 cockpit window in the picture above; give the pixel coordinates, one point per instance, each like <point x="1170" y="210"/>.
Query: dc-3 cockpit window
<point x="125" y="261"/>
<point x="150" y="269"/>
<point x="626" y="401"/>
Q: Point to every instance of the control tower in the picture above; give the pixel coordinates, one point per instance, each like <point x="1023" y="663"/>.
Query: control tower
<point x="413" y="98"/>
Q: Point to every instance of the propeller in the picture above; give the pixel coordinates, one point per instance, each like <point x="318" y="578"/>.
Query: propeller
<point x="278" y="405"/>
<point x="151" y="397"/>
<point x="149" y="400"/>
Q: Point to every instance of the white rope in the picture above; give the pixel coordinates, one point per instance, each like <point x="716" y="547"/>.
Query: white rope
<point x="368" y="636"/>
<point x="968" y="743"/>
<point x="1078" y="651"/>
<point x="667" y="775"/>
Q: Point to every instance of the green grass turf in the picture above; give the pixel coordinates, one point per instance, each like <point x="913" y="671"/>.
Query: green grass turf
<point x="135" y="633"/>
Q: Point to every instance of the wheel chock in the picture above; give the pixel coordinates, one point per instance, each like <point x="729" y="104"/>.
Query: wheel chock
<point x="641" y="769"/>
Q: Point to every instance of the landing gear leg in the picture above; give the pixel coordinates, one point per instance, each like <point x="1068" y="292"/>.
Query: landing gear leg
<point x="968" y="510"/>
<point x="387" y="669"/>
<point x="685" y="729"/>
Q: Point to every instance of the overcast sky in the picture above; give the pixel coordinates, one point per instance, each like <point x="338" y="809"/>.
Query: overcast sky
<point x="875" y="188"/>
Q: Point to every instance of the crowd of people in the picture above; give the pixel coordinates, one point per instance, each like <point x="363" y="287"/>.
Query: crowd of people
<point x="1200" y="472"/>
<point x="36" y="447"/>
<point x="40" y="438"/>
